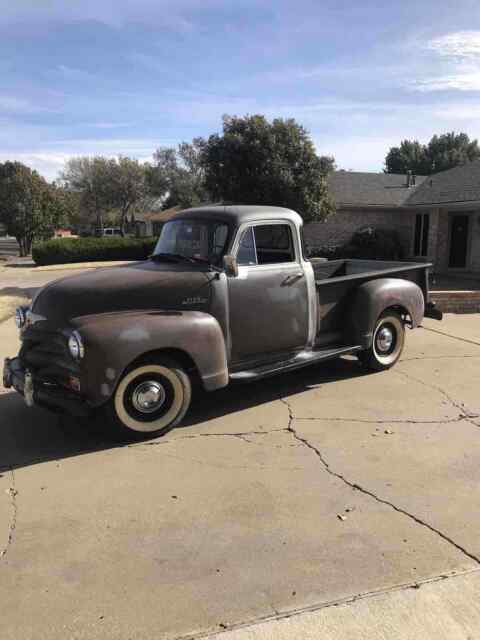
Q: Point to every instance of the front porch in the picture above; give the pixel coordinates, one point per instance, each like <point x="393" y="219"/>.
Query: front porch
<point x="454" y="293"/>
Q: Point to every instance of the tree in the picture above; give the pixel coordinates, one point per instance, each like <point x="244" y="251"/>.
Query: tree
<point x="442" y="152"/>
<point x="91" y="179"/>
<point x="178" y="174"/>
<point x="450" y="150"/>
<point x="29" y="206"/>
<point x="409" y="156"/>
<point x="255" y="161"/>
<point x="129" y="186"/>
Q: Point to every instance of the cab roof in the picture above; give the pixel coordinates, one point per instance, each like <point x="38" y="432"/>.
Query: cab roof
<point x="239" y="214"/>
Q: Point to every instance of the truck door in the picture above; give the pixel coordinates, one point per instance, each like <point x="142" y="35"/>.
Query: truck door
<point x="268" y="300"/>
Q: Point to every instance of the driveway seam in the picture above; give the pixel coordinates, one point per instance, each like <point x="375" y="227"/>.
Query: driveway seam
<point x="358" y="487"/>
<point x="449" y="335"/>
<point x="348" y="600"/>
<point x="13" y="520"/>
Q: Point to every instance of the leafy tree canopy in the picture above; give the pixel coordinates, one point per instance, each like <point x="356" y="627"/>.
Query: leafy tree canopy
<point x="177" y="175"/>
<point x="105" y="184"/>
<point x="29" y="206"/>
<point x="255" y="161"/>
<point x="442" y="152"/>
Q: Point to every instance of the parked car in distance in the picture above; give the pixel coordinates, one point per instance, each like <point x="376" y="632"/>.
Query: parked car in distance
<point x="108" y="232"/>
<point x="227" y="296"/>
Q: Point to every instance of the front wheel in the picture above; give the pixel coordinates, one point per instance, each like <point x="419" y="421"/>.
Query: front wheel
<point x="387" y="344"/>
<point x="150" y="399"/>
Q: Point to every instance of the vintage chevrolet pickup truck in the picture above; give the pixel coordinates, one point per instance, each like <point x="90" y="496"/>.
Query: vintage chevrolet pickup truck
<point x="227" y="296"/>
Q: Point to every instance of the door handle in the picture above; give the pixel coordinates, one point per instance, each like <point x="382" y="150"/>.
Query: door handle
<point x="292" y="278"/>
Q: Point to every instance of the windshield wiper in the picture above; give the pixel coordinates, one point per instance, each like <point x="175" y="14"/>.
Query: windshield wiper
<point x="171" y="257"/>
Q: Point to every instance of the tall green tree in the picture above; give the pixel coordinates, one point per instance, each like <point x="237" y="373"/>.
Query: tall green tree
<point x="450" y="150"/>
<point x="442" y="152"/>
<point x="178" y="174"/>
<point x="29" y="206"/>
<point x="255" y="161"/>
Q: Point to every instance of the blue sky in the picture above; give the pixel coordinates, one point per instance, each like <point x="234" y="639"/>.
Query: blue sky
<point x="127" y="76"/>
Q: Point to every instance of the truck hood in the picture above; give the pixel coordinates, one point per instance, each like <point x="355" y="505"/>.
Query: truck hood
<point x="138" y="286"/>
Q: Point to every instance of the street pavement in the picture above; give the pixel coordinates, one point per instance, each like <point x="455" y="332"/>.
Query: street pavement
<point x="8" y="247"/>
<point x="24" y="279"/>
<point x="326" y="503"/>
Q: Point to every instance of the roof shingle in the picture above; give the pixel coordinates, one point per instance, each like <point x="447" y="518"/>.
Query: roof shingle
<point x="457" y="185"/>
<point x="352" y="188"/>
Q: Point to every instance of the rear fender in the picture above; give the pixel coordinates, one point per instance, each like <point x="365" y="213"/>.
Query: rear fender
<point x="114" y="341"/>
<point x="372" y="298"/>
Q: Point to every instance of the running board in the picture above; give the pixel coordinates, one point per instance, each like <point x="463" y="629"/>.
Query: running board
<point x="302" y="359"/>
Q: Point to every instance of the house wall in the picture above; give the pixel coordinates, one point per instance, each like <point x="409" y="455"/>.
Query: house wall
<point x="475" y="241"/>
<point x="339" y="228"/>
<point x="443" y="243"/>
<point x="443" y="240"/>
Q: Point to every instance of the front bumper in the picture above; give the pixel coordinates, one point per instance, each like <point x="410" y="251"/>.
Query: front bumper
<point x="38" y="392"/>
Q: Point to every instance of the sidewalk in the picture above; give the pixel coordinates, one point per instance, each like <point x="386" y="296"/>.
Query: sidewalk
<point x="442" y="609"/>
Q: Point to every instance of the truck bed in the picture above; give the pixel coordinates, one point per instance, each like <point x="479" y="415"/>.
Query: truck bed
<point x="336" y="280"/>
<point x="354" y="269"/>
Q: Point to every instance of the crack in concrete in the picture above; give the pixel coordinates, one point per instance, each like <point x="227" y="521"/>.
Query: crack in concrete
<point x="357" y="487"/>
<point x="390" y="421"/>
<point x="464" y="412"/>
<point x="241" y="435"/>
<point x="13" y="521"/>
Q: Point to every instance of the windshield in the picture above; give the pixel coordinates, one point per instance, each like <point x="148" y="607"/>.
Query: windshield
<point x="201" y="240"/>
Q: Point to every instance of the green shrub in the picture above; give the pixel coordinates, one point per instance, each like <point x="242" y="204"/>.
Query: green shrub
<point x="68" y="250"/>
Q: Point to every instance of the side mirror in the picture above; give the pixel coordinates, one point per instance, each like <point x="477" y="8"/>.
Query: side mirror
<point x="231" y="266"/>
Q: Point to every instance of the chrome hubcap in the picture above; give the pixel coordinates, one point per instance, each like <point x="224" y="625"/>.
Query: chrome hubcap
<point x="384" y="339"/>
<point x="148" y="396"/>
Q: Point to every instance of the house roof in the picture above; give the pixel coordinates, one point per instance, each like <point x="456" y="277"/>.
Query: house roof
<point x="455" y="186"/>
<point x="386" y="190"/>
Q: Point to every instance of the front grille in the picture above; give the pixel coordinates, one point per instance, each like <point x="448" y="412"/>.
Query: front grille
<point x="46" y="353"/>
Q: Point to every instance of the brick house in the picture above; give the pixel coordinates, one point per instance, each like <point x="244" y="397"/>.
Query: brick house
<point x="437" y="217"/>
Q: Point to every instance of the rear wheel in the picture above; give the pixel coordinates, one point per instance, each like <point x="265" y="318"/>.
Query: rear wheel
<point x="151" y="399"/>
<point x="387" y="344"/>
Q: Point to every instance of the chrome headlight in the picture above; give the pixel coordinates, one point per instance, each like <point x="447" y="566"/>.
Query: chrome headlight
<point x="20" y="317"/>
<point x="75" y="345"/>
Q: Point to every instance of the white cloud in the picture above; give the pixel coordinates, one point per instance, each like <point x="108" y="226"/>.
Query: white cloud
<point x="461" y="81"/>
<point x="458" y="58"/>
<point x="460" y="44"/>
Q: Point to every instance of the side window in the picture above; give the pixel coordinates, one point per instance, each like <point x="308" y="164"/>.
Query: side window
<point x="246" y="251"/>
<point x="274" y="243"/>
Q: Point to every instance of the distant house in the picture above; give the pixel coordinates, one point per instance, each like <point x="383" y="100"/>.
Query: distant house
<point x="437" y="217"/>
<point x="151" y="220"/>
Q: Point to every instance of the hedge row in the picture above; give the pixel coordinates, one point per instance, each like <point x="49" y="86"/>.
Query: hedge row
<point x="68" y="250"/>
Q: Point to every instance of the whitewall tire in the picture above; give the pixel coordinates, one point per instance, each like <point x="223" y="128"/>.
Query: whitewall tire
<point x="387" y="343"/>
<point x="150" y="399"/>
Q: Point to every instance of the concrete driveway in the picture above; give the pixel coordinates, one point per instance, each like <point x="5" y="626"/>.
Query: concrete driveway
<point x="317" y="488"/>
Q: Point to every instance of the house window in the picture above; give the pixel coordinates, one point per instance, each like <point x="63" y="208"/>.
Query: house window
<point x="422" y="225"/>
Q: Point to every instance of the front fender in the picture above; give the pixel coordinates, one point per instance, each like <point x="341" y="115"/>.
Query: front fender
<point x="114" y="340"/>
<point x="372" y="298"/>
